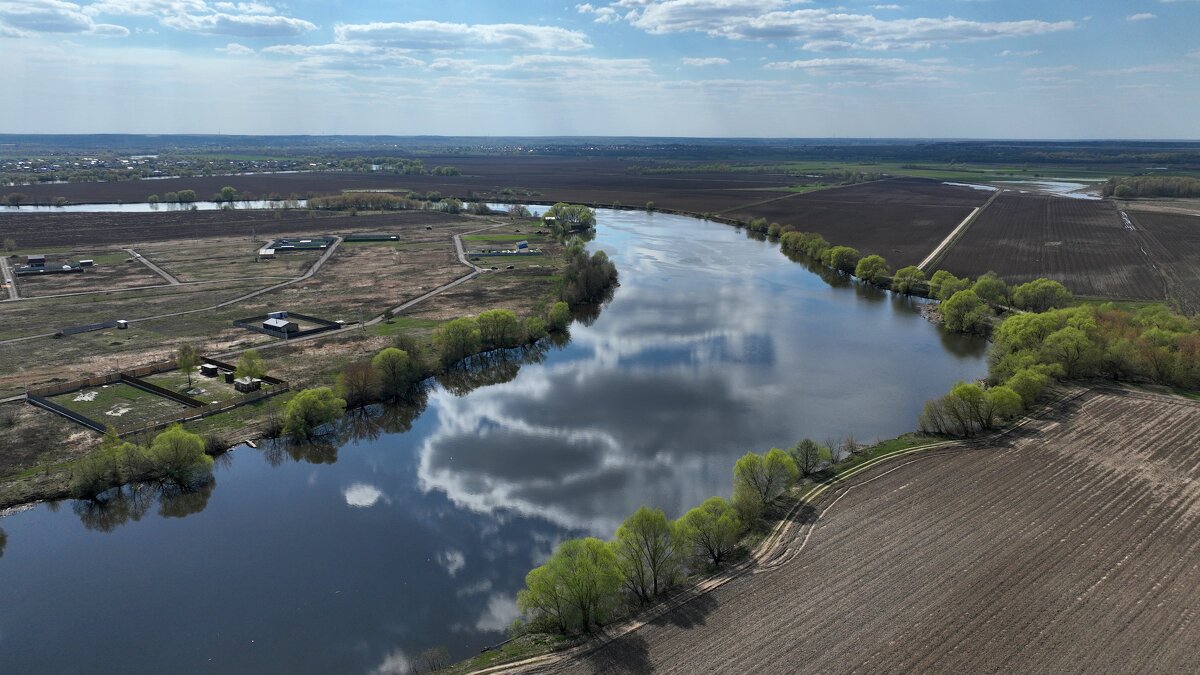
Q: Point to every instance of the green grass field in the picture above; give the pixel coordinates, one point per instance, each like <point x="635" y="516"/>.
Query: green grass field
<point x="119" y="404"/>
<point x="215" y="388"/>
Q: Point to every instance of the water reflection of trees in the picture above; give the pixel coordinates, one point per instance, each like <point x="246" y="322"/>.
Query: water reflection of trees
<point x="130" y="503"/>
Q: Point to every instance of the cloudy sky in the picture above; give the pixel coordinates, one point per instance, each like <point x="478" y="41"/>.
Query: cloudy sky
<point x="800" y="68"/>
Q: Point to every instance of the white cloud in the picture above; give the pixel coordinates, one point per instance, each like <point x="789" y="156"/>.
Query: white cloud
<point x="244" y="19"/>
<point x="1021" y="54"/>
<point x="499" y="615"/>
<point x="452" y="560"/>
<point x="22" y="18"/>
<point x="770" y="20"/>
<point x="860" y="67"/>
<point x="602" y="14"/>
<point x="438" y="35"/>
<point x="234" y="48"/>
<point x="705" y="61"/>
<point x="362" y="495"/>
<point x="244" y="25"/>
<point x="1141" y="16"/>
<point x="396" y="662"/>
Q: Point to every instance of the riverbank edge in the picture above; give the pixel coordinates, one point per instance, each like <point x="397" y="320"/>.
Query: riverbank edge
<point x="51" y="481"/>
<point x="760" y="548"/>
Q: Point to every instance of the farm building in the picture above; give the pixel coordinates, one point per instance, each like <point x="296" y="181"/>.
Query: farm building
<point x="35" y="260"/>
<point x="87" y="263"/>
<point x="208" y="370"/>
<point x="522" y="246"/>
<point x="43" y="268"/>
<point x="288" y="244"/>
<point x="266" y="253"/>
<point x="281" y="326"/>
<point x="246" y="385"/>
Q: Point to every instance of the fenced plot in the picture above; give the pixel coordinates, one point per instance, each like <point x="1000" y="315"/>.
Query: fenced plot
<point x="118" y="404"/>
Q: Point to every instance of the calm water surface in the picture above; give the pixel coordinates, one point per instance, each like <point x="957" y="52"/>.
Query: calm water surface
<point x="358" y="558"/>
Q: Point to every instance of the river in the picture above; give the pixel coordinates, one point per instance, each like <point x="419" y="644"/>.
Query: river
<point x="357" y="558"/>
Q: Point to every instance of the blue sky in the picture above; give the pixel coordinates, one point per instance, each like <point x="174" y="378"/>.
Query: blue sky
<point x="933" y="68"/>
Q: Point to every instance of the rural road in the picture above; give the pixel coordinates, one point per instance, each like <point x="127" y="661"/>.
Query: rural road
<point x="311" y="271"/>
<point x="153" y="268"/>
<point x="940" y="251"/>
<point x="10" y="281"/>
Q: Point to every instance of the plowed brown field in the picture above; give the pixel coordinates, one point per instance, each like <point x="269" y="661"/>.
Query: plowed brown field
<point x="1071" y="545"/>
<point x="1173" y="241"/>
<point x="1083" y="244"/>
<point x="903" y="219"/>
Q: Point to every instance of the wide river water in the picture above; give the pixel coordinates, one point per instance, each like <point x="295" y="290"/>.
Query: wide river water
<point x="359" y="558"/>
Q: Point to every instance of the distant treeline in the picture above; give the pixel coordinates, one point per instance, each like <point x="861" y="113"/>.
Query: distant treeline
<point x="1152" y="186"/>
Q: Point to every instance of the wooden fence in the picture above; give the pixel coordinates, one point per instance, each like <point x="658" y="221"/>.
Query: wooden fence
<point x="196" y="410"/>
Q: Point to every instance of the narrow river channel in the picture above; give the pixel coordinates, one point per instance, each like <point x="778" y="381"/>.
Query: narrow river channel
<point x="356" y="558"/>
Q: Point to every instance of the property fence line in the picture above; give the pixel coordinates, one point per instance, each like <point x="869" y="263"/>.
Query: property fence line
<point x="161" y="391"/>
<point x="193" y="414"/>
<point x="196" y="409"/>
<point x="53" y="407"/>
<point x="254" y="323"/>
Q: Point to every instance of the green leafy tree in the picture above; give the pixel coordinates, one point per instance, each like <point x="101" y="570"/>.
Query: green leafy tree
<point x="579" y="585"/>
<point x="1040" y="295"/>
<point x="991" y="289"/>
<point x="943" y="285"/>
<point x="1003" y="403"/>
<point x="587" y="278"/>
<point x="397" y="372"/>
<point x="841" y="258"/>
<point x="535" y="327"/>
<point x="499" y="328"/>
<point x="178" y="456"/>
<point x="645" y="547"/>
<point x="569" y="217"/>
<point x="710" y="531"/>
<point x="872" y="269"/>
<point x="907" y="279"/>
<point x="559" y="316"/>
<point x="1072" y="348"/>
<point x="188" y="360"/>
<point x="1028" y="384"/>
<point x="251" y="365"/>
<point x="186" y="196"/>
<point x="759" y="480"/>
<point x="311" y="409"/>
<point x="964" y="312"/>
<point x="458" y="339"/>
<point x="228" y="195"/>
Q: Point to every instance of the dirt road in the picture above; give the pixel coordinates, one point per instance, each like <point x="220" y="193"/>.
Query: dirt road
<point x="1072" y="545"/>
<point x="9" y="279"/>
<point x="153" y="268"/>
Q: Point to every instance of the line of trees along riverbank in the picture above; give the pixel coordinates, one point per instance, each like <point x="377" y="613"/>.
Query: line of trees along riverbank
<point x="308" y="417"/>
<point x="589" y="582"/>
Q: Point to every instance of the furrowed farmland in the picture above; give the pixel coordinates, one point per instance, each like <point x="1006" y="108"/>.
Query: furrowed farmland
<point x="1173" y="241"/>
<point x="1067" y="545"/>
<point x="1082" y="243"/>
<point x="902" y="220"/>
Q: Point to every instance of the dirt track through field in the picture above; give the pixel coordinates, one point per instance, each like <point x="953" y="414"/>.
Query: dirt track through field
<point x="1072" y="545"/>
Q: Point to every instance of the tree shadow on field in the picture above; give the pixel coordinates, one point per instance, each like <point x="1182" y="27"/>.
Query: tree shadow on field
<point x="628" y="654"/>
<point x="689" y="615"/>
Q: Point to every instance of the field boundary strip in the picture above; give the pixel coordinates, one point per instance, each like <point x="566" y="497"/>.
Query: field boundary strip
<point x="766" y="550"/>
<point x="939" y="253"/>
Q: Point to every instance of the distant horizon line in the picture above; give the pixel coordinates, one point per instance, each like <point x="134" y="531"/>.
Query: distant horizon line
<point x="941" y="139"/>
